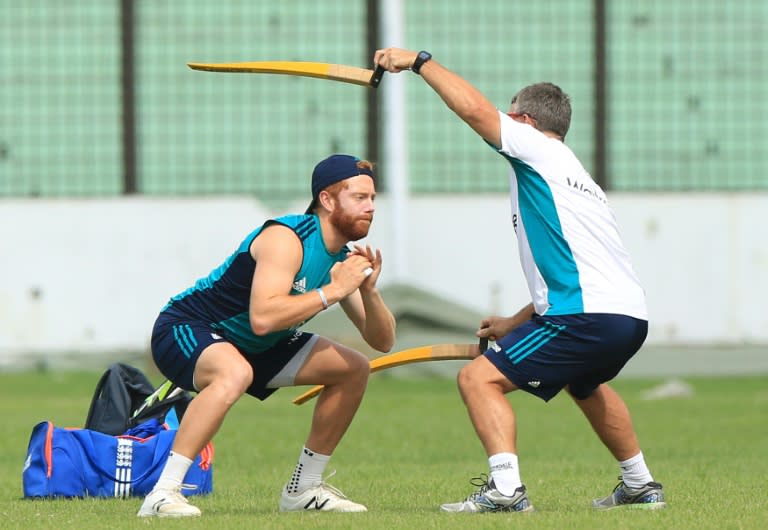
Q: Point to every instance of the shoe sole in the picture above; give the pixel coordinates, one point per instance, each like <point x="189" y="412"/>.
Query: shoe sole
<point x="169" y="515"/>
<point x="288" y="510"/>
<point x="529" y="509"/>
<point x="634" y="506"/>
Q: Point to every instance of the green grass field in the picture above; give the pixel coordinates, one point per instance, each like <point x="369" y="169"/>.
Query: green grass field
<point x="412" y="447"/>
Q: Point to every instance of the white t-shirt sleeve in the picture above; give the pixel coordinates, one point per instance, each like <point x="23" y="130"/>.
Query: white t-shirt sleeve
<point x="520" y="140"/>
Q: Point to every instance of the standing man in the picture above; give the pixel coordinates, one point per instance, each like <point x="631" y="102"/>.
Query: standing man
<point x="588" y="313"/>
<point x="236" y="331"/>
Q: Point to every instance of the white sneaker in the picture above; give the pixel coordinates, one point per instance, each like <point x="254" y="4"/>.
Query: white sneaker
<point x="322" y="497"/>
<point x="489" y="499"/>
<point x="167" y="503"/>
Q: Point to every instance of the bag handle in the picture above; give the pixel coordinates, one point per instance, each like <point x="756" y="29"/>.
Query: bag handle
<point x="96" y="396"/>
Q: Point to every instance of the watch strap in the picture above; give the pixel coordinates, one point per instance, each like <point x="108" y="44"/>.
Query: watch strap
<point x="421" y="58"/>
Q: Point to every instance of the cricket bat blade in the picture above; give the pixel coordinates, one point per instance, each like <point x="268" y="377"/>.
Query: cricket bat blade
<point x="438" y="352"/>
<point x="333" y="72"/>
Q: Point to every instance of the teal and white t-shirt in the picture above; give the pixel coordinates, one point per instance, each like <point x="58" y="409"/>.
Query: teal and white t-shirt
<point x="572" y="255"/>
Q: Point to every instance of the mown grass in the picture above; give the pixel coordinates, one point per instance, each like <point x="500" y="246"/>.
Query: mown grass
<point x="412" y="447"/>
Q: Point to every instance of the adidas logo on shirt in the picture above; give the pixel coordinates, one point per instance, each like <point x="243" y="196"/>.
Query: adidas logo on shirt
<point x="300" y="285"/>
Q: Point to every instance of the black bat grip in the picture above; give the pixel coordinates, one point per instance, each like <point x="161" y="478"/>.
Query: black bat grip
<point x="377" y="75"/>
<point x="483" y="345"/>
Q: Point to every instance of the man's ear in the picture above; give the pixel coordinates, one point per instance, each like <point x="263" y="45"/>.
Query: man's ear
<point x="326" y="200"/>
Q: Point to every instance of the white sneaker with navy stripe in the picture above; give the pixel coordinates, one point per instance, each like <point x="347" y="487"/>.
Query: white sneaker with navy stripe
<point x="320" y="498"/>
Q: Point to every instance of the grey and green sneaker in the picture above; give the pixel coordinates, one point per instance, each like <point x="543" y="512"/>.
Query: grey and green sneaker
<point x="488" y="499"/>
<point x="647" y="497"/>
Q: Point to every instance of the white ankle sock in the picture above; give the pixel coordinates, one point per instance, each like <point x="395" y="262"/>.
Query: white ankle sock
<point x="634" y="472"/>
<point x="505" y="472"/>
<point x="174" y="472"/>
<point x="308" y="471"/>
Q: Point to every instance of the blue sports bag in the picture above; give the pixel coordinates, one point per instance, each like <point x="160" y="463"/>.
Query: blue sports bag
<point x="84" y="463"/>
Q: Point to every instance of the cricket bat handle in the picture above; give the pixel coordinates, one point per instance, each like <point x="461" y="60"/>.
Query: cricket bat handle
<point x="377" y="75"/>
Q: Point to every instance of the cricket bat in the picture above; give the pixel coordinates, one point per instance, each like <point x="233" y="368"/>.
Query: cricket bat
<point x="334" y="72"/>
<point x="438" y="352"/>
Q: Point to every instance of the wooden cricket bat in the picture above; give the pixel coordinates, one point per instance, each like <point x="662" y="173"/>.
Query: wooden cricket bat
<point x="334" y="72"/>
<point x="438" y="352"/>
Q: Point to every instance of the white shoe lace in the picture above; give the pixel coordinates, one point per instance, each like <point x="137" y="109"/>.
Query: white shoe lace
<point x="333" y="491"/>
<point x="174" y="495"/>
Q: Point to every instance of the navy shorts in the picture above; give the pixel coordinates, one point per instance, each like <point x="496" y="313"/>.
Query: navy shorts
<point x="178" y="341"/>
<point x="581" y="351"/>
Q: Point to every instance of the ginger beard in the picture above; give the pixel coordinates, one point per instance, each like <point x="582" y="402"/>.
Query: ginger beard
<point x="352" y="223"/>
<point x="351" y="226"/>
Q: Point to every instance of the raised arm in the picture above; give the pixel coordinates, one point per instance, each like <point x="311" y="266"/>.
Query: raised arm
<point x="457" y="93"/>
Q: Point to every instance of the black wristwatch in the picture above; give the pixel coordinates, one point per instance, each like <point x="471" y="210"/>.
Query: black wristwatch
<point x="421" y="58"/>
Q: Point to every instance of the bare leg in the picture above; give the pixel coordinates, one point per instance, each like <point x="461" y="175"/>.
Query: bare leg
<point x="344" y="373"/>
<point x="223" y="376"/>
<point x="610" y="419"/>
<point x="482" y="388"/>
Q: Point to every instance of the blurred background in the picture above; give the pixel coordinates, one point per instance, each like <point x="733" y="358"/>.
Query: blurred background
<point x="125" y="176"/>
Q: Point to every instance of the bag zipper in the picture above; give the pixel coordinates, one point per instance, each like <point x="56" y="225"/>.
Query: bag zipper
<point x="48" y="451"/>
<point x="206" y="457"/>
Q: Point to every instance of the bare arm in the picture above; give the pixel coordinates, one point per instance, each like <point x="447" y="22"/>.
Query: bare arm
<point x="278" y="256"/>
<point x="496" y="327"/>
<point x="367" y="310"/>
<point x="457" y="93"/>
